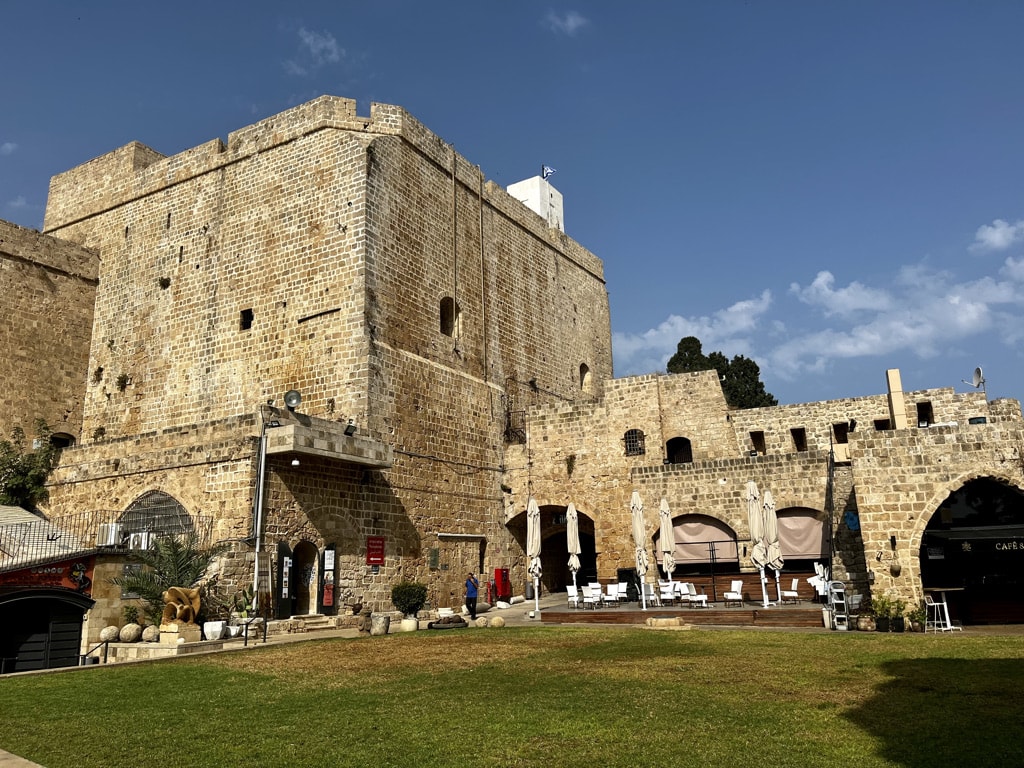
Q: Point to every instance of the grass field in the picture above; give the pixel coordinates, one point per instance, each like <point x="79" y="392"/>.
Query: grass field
<point x="589" y="697"/>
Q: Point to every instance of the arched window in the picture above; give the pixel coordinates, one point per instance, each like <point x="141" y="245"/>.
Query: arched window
<point x="584" y="377"/>
<point x="451" y="317"/>
<point x="634" y="440"/>
<point x="157" y="513"/>
<point x="679" y="451"/>
<point x="62" y="440"/>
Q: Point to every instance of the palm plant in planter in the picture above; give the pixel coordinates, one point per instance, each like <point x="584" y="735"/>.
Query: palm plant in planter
<point x="409" y="597"/>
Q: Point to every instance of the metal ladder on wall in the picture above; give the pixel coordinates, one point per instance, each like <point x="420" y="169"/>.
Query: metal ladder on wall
<point x="837" y="606"/>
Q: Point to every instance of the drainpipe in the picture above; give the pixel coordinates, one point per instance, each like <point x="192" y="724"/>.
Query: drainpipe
<point x="261" y="472"/>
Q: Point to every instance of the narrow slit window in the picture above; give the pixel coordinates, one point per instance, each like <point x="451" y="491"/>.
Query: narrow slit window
<point x="584" y="377"/>
<point x="450" y="317"/>
<point x="245" y="320"/>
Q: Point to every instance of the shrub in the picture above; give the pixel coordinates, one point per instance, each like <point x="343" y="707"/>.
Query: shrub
<point x="409" y="597"/>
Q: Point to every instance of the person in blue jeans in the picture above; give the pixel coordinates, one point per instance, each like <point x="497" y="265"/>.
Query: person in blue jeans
<point x="472" y="590"/>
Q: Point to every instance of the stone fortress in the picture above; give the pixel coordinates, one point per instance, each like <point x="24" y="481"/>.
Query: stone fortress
<point x="451" y="347"/>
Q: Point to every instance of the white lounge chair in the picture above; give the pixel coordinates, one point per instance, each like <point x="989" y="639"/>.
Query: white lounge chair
<point x="735" y="593"/>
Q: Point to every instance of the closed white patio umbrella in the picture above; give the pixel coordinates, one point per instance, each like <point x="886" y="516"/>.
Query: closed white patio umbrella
<point x="667" y="540"/>
<point x="636" y="508"/>
<point x="759" y="551"/>
<point x="533" y="547"/>
<point x="771" y="539"/>
<point x="572" y="536"/>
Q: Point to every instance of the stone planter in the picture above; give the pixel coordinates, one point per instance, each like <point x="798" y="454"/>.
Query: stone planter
<point x="410" y="624"/>
<point x="866" y="623"/>
<point x="379" y="624"/>
<point x="214" y="630"/>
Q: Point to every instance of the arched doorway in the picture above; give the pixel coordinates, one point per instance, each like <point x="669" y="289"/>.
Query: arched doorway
<point x="41" y="629"/>
<point x="554" y="555"/>
<point x="803" y="539"/>
<point x="306" y="559"/>
<point x="973" y="550"/>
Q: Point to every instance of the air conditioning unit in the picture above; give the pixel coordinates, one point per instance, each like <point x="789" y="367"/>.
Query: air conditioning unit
<point x="108" y="535"/>
<point x="140" y="540"/>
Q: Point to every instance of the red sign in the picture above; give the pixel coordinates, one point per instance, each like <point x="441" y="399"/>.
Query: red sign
<point x="375" y="550"/>
<point x="69" y="574"/>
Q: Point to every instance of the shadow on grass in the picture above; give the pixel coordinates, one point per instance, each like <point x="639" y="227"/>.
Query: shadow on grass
<point x="947" y="712"/>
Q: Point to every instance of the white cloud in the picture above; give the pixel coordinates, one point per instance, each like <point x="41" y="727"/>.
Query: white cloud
<point x="997" y="236"/>
<point x="8" y="148"/>
<point x="316" y="50"/>
<point x="855" y="297"/>
<point x="568" y="23"/>
<point x="19" y="203"/>
<point x="725" y="330"/>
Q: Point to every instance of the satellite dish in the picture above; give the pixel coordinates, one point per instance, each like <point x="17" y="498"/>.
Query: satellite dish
<point x="979" y="378"/>
<point x="292" y="399"/>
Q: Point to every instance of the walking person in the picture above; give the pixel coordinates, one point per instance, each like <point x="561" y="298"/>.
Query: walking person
<point x="472" y="590"/>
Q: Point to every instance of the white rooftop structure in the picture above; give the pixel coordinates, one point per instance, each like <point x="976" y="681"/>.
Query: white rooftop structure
<point x="540" y="197"/>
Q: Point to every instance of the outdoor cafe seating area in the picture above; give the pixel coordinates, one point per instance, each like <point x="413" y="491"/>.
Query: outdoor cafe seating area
<point x="733" y="600"/>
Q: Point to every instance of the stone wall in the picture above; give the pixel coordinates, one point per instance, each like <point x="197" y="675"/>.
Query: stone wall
<point x="315" y="251"/>
<point x="47" y="290"/>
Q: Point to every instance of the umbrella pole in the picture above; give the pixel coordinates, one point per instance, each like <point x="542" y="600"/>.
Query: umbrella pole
<point x="778" y="587"/>
<point x="764" y="587"/>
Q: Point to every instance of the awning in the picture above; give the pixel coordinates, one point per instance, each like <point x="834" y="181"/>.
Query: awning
<point x="802" y="535"/>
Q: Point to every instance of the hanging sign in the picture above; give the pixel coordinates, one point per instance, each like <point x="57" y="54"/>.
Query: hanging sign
<point x="375" y="550"/>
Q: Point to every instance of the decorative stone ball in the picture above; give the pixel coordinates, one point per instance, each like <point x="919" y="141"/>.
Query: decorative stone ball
<point x="151" y="633"/>
<point x="498" y="622"/>
<point x="110" y="634"/>
<point x="130" y="633"/>
<point x="481" y="621"/>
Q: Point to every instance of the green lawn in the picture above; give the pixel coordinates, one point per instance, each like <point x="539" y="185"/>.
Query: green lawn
<point x="539" y="696"/>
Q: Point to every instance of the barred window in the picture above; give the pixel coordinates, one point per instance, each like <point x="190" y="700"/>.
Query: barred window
<point x="634" y="439"/>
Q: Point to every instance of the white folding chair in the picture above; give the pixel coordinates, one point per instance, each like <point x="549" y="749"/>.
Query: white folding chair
<point x="623" y="592"/>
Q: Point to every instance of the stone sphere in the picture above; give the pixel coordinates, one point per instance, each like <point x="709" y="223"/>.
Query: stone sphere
<point x="110" y="634"/>
<point x="481" y="621"/>
<point x="151" y="633"/>
<point x="130" y="633"/>
<point x="497" y="621"/>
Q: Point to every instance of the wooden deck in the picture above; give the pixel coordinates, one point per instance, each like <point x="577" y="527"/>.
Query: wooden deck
<point x="801" y="615"/>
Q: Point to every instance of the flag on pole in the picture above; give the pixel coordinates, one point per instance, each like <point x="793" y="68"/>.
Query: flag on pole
<point x="546" y="170"/>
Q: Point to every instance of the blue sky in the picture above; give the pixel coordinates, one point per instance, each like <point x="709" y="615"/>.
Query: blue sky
<point x="830" y="188"/>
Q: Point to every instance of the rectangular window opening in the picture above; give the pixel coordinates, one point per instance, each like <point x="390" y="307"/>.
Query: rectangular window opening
<point x="799" y="438"/>
<point x="757" y="440"/>
<point x="882" y="424"/>
<point x="924" y="414"/>
<point x="245" y="320"/>
<point x="842" y="432"/>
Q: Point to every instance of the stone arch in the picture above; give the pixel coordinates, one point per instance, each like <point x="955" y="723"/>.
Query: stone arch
<point x="554" y="549"/>
<point x="704" y="542"/>
<point x="966" y="543"/>
<point x="156" y="512"/>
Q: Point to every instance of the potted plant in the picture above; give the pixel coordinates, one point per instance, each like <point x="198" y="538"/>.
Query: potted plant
<point x="898" y="622"/>
<point x="917" y="619"/>
<point x="882" y="607"/>
<point x="409" y="597"/>
<point x="866" y="617"/>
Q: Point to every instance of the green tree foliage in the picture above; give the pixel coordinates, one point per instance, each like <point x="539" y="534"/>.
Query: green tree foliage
<point x="740" y="377"/>
<point x="24" y="470"/>
<point x="174" y="561"/>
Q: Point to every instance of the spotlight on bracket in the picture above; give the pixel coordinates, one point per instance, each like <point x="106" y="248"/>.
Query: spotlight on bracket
<point x="293" y="399"/>
<point x="350" y="428"/>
